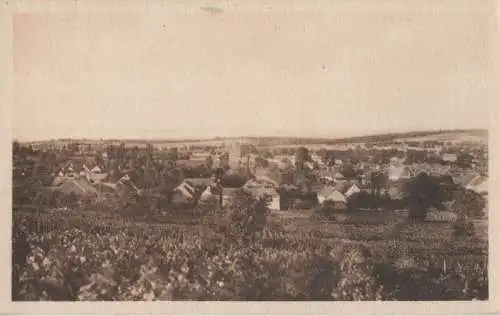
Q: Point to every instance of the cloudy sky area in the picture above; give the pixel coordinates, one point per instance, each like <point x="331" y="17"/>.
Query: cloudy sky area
<point x="336" y="72"/>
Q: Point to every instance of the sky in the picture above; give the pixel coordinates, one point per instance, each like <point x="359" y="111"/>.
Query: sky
<point x="344" y="70"/>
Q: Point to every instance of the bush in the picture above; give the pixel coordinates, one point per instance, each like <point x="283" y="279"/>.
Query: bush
<point x="463" y="229"/>
<point x="304" y="204"/>
<point x="363" y="200"/>
<point x="327" y="210"/>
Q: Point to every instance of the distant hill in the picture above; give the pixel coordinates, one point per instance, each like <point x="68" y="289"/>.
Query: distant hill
<point x="473" y="135"/>
<point x="457" y="135"/>
<point x="463" y="135"/>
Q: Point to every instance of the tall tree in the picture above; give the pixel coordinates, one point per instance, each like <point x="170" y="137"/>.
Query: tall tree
<point x="423" y="192"/>
<point x="224" y="161"/>
<point x="464" y="160"/>
<point x="377" y="182"/>
<point x="261" y="162"/>
<point x="15" y="147"/>
<point x="246" y="218"/>
<point x="209" y="162"/>
<point x="173" y="154"/>
<point x="468" y="203"/>
<point x="349" y="171"/>
<point x="301" y="156"/>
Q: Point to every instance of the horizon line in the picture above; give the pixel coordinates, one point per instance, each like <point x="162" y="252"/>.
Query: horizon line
<point x="201" y="139"/>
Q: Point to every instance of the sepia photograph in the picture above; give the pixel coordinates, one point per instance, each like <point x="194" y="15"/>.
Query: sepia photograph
<point x="272" y="152"/>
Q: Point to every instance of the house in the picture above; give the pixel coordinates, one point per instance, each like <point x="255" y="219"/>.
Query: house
<point x="338" y="177"/>
<point x="184" y="193"/>
<point x="399" y="173"/>
<point x="464" y="179"/>
<point x="96" y="169"/>
<point x="85" y="168"/>
<point x="309" y="165"/>
<point x="342" y="186"/>
<point x="449" y="157"/>
<point x="261" y="192"/>
<point x="479" y="185"/>
<point x="207" y="194"/>
<point x="352" y="190"/>
<point x="330" y="193"/>
<point x="190" y="187"/>
<point x="261" y="181"/>
<point x="440" y="216"/>
<point x="326" y="175"/>
<point x="395" y="161"/>
<point x="212" y="192"/>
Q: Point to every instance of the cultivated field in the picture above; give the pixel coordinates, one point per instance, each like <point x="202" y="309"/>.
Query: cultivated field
<point x="101" y="256"/>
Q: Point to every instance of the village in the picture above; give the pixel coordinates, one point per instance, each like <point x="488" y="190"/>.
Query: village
<point x="250" y="152"/>
<point x="166" y="177"/>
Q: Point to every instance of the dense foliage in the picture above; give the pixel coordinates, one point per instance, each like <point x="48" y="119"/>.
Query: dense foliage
<point x="118" y="263"/>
